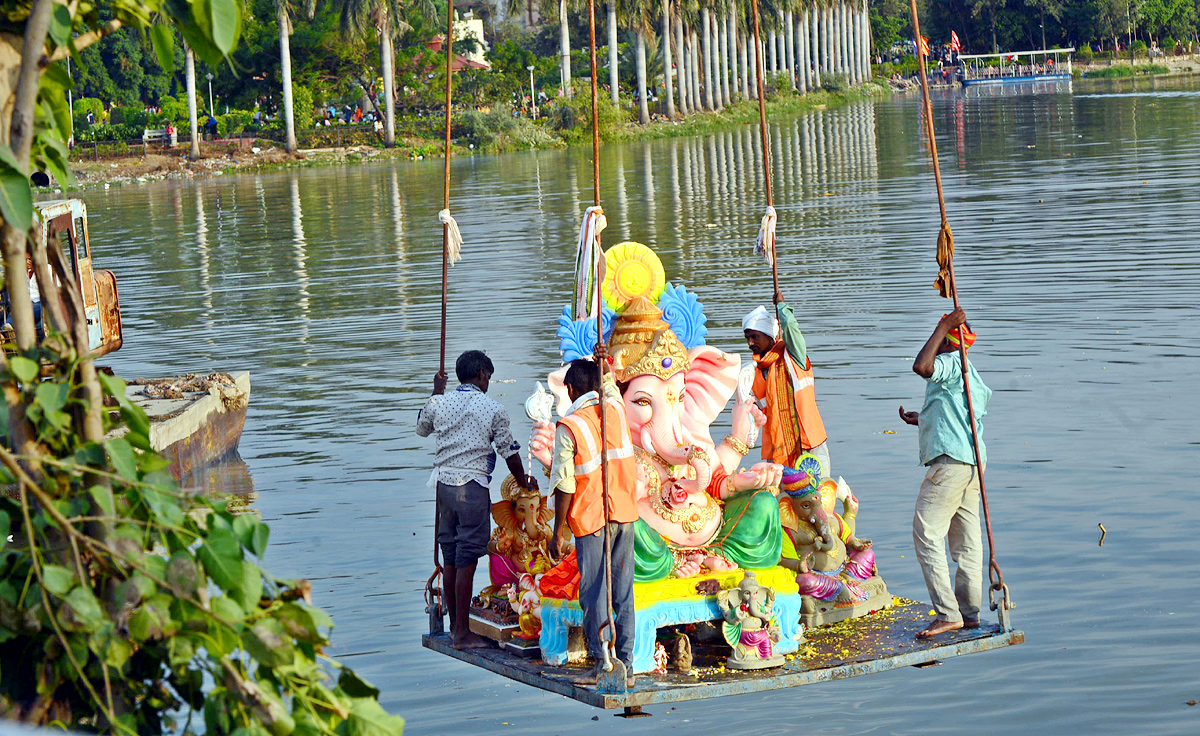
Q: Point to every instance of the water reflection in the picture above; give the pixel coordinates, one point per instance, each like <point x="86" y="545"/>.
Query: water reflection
<point x="1075" y="218"/>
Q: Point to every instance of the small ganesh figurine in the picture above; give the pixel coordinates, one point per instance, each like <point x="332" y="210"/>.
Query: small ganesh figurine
<point x="751" y="628"/>
<point x="521" y="541"/>
<point x="831" y="562"/>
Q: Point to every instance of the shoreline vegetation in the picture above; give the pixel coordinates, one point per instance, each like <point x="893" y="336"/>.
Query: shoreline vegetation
<point x="475" y="133"/>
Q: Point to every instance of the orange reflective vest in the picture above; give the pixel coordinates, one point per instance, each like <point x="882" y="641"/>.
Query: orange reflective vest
<point x="793" y="423"/>
<point x="587" y="510"/>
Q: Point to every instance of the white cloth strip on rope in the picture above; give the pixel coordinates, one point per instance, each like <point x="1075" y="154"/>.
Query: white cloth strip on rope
<point x="764" y="245"/>
<point x="455" y="239"/>
<point x="589" y="261"/>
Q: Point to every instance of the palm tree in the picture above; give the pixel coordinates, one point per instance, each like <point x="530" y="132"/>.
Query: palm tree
<point x="613" y="80"/>
<point x="189" y="73"/>
<point x="384" y="17"/>
<point x="285" y="65"/>
<point x="564" y="46"/>
<point x="668" y="85"/>
<point x="638" y="14"/>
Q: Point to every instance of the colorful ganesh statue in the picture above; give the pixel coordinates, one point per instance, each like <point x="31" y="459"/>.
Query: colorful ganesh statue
<point x="835" y="569"/>
<point x="698" y="511"/>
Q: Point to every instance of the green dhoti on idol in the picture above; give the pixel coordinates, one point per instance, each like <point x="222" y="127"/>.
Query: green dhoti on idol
<point x="698" y="508"/>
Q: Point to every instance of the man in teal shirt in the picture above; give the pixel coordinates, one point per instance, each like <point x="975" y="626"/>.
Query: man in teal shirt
<point x="948" y="504"/>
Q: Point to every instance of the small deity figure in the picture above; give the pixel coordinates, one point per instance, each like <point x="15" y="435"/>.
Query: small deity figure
<point x="830" y="561"/>
<point x="751" y="628"/>
<point x="525" y="599"/>
<point x="521" y="540"/>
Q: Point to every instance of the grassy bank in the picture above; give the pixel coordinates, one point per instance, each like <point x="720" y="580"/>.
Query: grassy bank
<point x="473" y="132"/>
<point x="1121" y="71"/>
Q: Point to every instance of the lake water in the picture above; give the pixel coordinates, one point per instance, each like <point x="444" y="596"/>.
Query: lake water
<point x="1077" y="219"/>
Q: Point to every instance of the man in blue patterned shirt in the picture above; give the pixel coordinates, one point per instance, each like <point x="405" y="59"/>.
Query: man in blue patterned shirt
<point x="470" y="429"/>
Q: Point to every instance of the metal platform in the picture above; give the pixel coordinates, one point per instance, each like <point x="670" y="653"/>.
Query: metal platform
<point x="881" y="641"/>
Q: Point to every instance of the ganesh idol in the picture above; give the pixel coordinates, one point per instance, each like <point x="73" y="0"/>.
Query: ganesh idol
<point x="699" y="509"/>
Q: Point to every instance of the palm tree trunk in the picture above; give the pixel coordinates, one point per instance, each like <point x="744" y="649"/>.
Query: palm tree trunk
<point x="706" y="49"/>
<point x="189" y="73"/>
<point x="694" y="68"/>
<point x="731" y="33"/>
<point x="285" y="66"/>
<point x="721" y="46"/>
<point x="802" y="52"/>
<point x="389" y="81"/>
<point x="614" y="81"/>
<point x="814" y="37"/>
<point x="790" y="48"/>
<point x="668" y="85"/>
<point x="681" y="64"/>
<point x="826" y="47"/>
<point x="564" y="49"/>
<point x="772" y="69"/>
<point x="750" y="52"/>
<point x="643" y="108"/>
<point x="744" y="62"/>
<point x="849" y="63"/>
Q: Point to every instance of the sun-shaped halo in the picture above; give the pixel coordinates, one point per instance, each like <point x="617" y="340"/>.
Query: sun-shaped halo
<point x="632" y="270"/>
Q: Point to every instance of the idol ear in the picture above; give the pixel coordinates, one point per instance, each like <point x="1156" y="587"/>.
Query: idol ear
<point x="709" y="384"/>
<point x="556" y="383"/>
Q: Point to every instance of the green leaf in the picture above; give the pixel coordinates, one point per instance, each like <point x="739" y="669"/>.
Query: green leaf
<point x="225" y="571"/>
<point x="355" y="686"/>
<point x="16" y="205"/>
<point x="104" y="499"/>
<point x="222" y="539"/>
<point x="135" y="417"/>
<point x="267" y="642"/>
<point x="114" y="386"/>
<point x="90" y="454"/>
<point x="52" y="396"/>
<point x="23" y="368"/>
<point x="227" y="609"/>
<point x="368" y="718"/>
<point x="117" y="652"/>
<point x="226" y="24"/>
<point x="120" y="454"/>
<point x="86" y="608"/>
<point x="164" y="47"/>
<point x="249" y="591"/>
<point x="182" y="574"/>
<point x="60" y="24"/>
<point x="5" y="529"/>
<point x="252" y="533"/>
<point x="58" y="580"/>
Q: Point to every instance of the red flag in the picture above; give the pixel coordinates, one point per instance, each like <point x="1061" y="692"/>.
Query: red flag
<point x="924" y="46"/>
<point x="954" y="43"/>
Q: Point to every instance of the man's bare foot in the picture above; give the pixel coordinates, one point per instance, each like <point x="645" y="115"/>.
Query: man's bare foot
<point x="472" y="641"/>
<point x="971" y="624"/>
<point x="936" y="628"/>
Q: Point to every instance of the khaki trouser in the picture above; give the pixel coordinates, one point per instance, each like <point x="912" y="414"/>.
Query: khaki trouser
<point x="948" y="506"/>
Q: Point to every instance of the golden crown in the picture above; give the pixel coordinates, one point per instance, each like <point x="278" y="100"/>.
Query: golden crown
<point x="644" y="345"/>
<point x="510" y="491"/>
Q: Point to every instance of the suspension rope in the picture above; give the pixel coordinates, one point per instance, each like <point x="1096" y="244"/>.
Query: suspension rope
<point x="451" y="247"/>
<point x="765" y="243"/>
<point x="608" y="644"/>
<point x="948" y="287"/>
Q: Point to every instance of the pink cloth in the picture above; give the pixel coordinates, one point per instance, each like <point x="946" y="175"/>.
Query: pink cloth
<point x="821" y="587"/>
<point x="502" y="570"/>
<point x="861" y="563"/>
<point x="759" y="640"/>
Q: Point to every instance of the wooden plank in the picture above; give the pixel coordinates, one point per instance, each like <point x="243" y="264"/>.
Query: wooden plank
<point x="881" y="641"/>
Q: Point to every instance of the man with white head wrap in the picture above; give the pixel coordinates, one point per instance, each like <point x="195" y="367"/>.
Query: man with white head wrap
<point x="783" y="385"/>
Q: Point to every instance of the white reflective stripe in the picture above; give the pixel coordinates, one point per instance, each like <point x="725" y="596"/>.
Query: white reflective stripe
<point x="804" y="383"/>
<point x="582" y="434"/>
<point x="617" y="453"/>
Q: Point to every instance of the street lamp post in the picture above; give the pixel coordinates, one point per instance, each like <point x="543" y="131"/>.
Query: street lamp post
<point x="212" y="110"/>
<point x="532" y="97"/>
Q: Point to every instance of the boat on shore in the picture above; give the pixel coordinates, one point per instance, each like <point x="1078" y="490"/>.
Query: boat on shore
<point x="195" y="419"/>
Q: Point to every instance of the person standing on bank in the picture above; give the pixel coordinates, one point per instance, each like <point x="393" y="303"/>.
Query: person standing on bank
<point x="575" y="476"/>
<point x="948" y="503"/>
<point x="783" y="385"/>
<point x="467" y="425"/>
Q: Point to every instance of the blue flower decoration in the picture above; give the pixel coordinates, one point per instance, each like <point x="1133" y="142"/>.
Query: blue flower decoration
<point x="577" y="338"/>
<point x="684" y="312"/>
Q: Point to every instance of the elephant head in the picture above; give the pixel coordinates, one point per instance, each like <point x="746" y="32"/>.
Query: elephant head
<point x="671" y="394"/>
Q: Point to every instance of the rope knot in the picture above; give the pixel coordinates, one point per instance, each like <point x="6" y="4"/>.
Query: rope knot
<point x="764" y="244"/>
<point x="454" y="238"/>
<point x="945" y="258"/>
